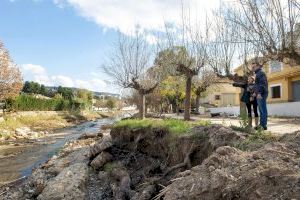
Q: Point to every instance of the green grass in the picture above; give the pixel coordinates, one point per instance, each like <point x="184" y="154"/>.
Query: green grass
<point x="242" y="129"/>
<point x="257" y="138"/>
<point x="175" y="126"/>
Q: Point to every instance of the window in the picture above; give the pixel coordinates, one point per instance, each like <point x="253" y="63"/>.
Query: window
<point x="217" y="97"/>
<point x="275" y="66"/>
<point x="276" y="91"/>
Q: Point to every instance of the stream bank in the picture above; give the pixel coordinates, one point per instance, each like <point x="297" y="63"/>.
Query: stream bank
<point x="152" y="163"/>
<point x="19" y="157"/>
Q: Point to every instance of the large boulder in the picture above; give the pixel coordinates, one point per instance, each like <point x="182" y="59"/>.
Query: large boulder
<point x="102" y="145"/>
<point x="101" y="160"/>
<point x="68" y="185"/>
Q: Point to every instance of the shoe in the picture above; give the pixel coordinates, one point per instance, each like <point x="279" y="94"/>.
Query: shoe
<point x="260" y="127"/>
<point x="256" y="120"/>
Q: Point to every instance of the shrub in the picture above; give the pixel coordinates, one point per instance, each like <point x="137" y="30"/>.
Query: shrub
<point x="30" y="103"/>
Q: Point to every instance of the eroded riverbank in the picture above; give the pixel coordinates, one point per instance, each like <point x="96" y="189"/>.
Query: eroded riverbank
<point x="153" y="161"/>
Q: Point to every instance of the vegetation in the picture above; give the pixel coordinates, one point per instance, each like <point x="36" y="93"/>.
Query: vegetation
<point x="10" y="76"/>
<point x="175" y="126"/>
<point x="36" y="122"/>
<point x="32" y="87"/>
<point x="257" y="138"/>
<point x="30" y="103"/>
<point x="42" y="121"/>
<point x="110" y="103"/>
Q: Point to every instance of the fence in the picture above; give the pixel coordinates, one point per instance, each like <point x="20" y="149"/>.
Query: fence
<point x="279" y="109"/>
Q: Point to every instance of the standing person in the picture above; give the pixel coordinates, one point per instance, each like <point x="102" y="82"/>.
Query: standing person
<point x="249" y="99"/>
<point x="261" y="94"/>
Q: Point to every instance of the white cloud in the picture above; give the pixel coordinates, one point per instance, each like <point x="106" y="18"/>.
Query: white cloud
<point x="62" y="80"/>
<point x="39" y="74"/>
<point x="149" y="15"/>
<point x="34" y="69"/>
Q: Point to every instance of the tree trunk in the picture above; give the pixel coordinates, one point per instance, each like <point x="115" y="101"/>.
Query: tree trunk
<point x="187" y="103"/>
<point x="142" y="106"/>
<point x="197" y="103"/>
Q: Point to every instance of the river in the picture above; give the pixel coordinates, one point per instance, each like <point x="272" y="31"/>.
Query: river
<point x="18" y="158"/>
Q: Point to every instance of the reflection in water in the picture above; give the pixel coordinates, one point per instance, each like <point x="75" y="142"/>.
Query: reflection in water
<point x="17" y="159"/>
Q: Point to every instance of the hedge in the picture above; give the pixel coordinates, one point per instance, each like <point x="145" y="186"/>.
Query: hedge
<point x="26" y="102"/>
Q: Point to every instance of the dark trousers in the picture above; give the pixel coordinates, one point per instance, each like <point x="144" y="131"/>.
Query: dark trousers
<point x="249" y="108"/>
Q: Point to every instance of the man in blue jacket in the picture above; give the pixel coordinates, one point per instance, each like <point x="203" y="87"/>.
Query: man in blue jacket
<point x="261" y="93"/>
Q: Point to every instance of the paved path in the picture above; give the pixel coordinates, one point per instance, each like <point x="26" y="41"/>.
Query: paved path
<point x="278" y="126"/>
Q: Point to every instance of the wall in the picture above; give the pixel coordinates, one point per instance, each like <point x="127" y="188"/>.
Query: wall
<point x="278" y="109"/>
<point x="221" y="89"/>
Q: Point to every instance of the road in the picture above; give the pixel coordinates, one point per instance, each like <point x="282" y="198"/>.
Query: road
<point x="278" y="126"/>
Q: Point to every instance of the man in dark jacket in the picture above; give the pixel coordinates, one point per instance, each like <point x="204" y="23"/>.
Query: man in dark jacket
<point x="261" y="93"/>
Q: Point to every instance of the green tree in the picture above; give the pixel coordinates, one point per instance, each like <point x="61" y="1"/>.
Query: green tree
<point x="43" y="90"/>
<point x="67" y="93"/>
<point x="111" y="103"/>
<point x="26" y="87"/>
<point x="31" y="87"/>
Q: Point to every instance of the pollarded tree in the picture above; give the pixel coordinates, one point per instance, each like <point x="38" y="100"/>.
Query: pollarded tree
<point x="11" y="81"/>
<point x="202" y="83"/>
<point x="187" y="61"/>
<point x="186" y="49"/>
<point x="270" y="26"/>
<point x="129" y="64"/>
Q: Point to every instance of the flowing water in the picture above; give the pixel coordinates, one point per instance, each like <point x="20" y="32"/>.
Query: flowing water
<point x="18" y="158"/>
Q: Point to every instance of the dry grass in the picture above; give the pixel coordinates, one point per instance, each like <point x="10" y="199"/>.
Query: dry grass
<point x="41" y="122"/>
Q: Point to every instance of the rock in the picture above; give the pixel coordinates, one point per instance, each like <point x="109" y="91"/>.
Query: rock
<point x="104" y="144"/>
<point x="90" y="135"/>
<point x="68" y="185"/>
<point x="23" y="131"/>
<point x="38" y="181"/>
<point x="101" y="160"/>
<point x="106" y="126"/>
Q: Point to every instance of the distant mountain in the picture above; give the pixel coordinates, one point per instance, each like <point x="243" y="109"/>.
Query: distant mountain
<point x="98" y="94"/>
<point x="105" y="94"/>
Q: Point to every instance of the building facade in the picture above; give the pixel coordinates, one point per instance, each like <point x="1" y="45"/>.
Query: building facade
<point x="221" y="95"/>
<point x="283" y="79"/>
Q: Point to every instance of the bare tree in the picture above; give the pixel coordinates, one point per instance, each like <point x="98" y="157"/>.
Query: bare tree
<point x="128" y="65"/>
<point x="270" y="26"/>
<point x="11" y="81"/>
<point x="205" y="80"/>
<point x="222" y="47"/>
<point x="187" y="51"/>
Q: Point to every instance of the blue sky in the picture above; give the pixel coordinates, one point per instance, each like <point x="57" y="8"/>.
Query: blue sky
<point x="64" y="42"/>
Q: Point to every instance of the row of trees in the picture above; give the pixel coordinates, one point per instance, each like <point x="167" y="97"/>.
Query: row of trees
<point x="200" y="52"/>
<point x="32" y="87"/>
<point x="11" y="84"/>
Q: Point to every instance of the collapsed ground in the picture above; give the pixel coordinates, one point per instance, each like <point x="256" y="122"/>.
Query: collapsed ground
<point x="169" y="159"/>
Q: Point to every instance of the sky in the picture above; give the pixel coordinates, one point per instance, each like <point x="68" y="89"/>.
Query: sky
<point x="65" y="42"/>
